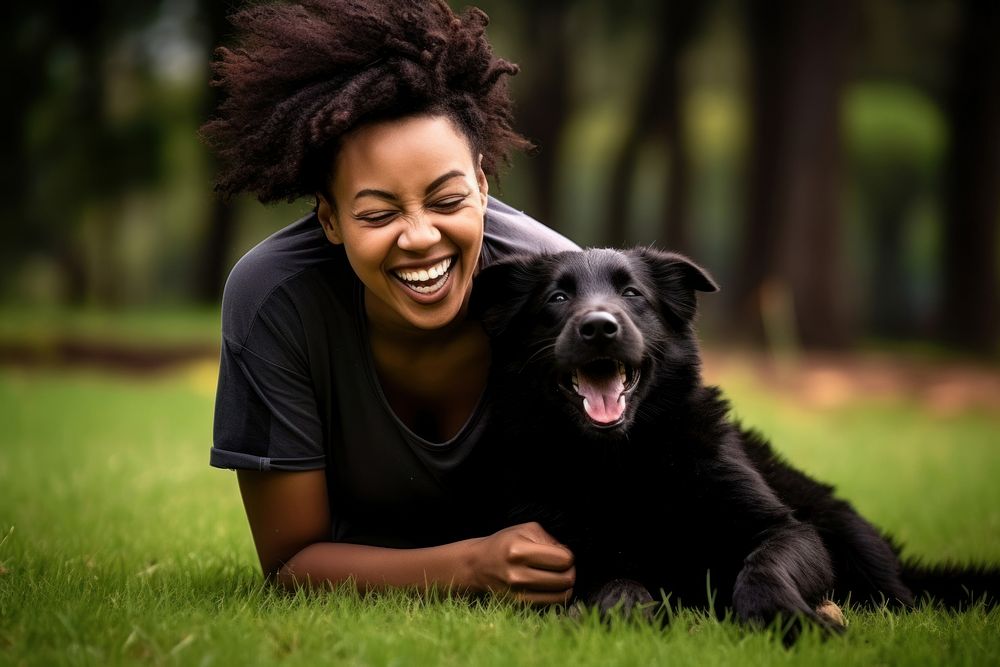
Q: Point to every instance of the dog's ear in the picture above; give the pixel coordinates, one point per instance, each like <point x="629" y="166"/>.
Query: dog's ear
<point x="676" y="278"/>
<point x="501" y="290"/>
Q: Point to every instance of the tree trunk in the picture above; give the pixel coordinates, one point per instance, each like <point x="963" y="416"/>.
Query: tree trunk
<point x="618" y="207"/>
<point x="791" y="238"/>
<point x="544" y="119"/>
<point x="970" y="310"/>
<point x="676" y="225"/>
<point x="20" y="226"/>
<point x="220" y="225"/>
<point x="890" y="310"/>
<point x="214" y="268"/>
<point x="657" y="119"/>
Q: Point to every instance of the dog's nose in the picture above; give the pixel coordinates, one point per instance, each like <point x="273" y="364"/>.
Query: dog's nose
<point x="598" y="326"/>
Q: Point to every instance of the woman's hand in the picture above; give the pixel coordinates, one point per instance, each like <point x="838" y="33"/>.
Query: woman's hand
<point x="525" y="562"/>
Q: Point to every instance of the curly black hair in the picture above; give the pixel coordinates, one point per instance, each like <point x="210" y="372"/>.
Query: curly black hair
<point x="300" y="76"/>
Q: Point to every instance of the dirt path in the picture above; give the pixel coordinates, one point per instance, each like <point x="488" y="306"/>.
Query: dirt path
<point x="830" y="380"/>
<point x="815" y="380"/>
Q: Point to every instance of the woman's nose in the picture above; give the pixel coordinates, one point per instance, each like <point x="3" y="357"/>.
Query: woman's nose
<point x="420" y="234"/>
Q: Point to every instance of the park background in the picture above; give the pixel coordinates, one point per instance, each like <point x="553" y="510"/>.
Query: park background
<point x="834" y="164"/>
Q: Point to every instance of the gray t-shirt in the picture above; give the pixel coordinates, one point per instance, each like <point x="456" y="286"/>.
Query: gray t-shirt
<point x="298" y="388"/>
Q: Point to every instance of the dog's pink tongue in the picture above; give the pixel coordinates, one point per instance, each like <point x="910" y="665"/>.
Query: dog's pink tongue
<point x="602" y="396"/>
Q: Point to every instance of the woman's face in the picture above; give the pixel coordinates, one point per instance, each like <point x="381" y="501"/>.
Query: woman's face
<point x="408" y="206"/>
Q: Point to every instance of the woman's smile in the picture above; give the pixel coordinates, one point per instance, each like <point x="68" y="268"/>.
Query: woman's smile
<point x="426" y="282"/>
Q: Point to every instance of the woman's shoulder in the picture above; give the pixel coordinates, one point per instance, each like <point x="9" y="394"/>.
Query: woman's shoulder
<point x="272" y="263"/>
<point x="512" y="232"/>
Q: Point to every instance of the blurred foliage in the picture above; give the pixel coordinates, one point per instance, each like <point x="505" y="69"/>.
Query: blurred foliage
<point x="108" y="199"/>
<point x="135" y="326"/>
<point x="895" y="125"/>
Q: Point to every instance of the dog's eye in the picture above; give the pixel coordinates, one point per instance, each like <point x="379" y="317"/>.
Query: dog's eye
<point x="558" y="297"/>
<point x="630" y="291"/>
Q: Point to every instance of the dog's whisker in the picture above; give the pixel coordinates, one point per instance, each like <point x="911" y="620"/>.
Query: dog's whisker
<point x="539" y="355"/>
<point x="542" y="350"/>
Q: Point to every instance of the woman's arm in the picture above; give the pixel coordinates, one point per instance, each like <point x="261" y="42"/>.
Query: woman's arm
<point x="290" y="522"/>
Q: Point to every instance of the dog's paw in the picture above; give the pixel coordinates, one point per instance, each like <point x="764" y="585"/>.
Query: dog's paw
<point x="622" y="596"/>
<point x="830" y="612"/>
<point x="762" y="607"/>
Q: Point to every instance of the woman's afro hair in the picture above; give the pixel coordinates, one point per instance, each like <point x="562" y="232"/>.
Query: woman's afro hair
<point x="300" y="76"/>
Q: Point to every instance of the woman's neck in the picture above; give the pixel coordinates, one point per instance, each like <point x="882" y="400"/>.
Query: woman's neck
<point x="432" y="379"/>
<point x="386" y="330"/>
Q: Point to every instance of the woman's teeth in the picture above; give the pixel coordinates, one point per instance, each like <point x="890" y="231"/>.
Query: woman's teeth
<point x="437" y="273"/>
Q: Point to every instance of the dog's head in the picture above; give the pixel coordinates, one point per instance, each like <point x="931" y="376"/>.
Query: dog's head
<point x="589" y="333"/>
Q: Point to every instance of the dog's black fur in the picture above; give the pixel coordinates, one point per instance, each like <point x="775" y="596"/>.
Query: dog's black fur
<point x="671" y="495"/>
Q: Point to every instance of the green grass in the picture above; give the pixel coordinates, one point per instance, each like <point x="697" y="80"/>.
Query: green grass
<point x="120" y="545"/>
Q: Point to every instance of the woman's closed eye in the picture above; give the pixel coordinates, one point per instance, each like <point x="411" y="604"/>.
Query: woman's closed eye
<point x="376" y="218"/>
<point x="448" y="204"/>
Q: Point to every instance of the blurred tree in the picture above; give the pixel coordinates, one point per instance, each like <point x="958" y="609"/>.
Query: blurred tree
<point x="669" y="25"/>
<point x="895" y="134"/>
<point x="896" y="139"/>
<point x="548" y="44"/>
<point x="220" y="223"/>
<point x="789" y="273"/>
<point x="970" y="306"/>
<point x="80" y="140"/>
<point x="26" y="52"/>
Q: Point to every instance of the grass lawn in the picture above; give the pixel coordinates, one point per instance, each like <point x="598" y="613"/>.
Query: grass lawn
<point x="118" y="544"/>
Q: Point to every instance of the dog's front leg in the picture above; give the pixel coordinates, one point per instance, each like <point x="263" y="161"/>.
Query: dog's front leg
<point x="788" y="569"/>
<point x="785" y="575"/>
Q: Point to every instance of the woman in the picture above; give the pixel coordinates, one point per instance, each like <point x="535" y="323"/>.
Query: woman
<point x="352" y="386"/>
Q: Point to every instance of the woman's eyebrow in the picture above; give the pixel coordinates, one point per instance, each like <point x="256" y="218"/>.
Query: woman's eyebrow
<point x="381" y="194"/>
<point x="435" y="184"/>
<point x="440" y="180"/>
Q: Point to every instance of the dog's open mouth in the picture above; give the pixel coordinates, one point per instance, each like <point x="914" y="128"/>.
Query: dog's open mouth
<point x="604" y="385"/>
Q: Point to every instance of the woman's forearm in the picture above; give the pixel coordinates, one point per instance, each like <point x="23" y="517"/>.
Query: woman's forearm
<point x="522" y="561"/>
<point x="446" y="567"/>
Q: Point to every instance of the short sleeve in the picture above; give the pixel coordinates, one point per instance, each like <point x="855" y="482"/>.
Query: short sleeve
<point x="510" y="232"/>
<point x="266" y="416"/>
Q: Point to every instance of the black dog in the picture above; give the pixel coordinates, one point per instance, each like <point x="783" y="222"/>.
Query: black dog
<point x="623" y="454"/>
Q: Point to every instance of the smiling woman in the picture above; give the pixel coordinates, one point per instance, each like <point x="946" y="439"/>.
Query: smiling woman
<point x="352" y="386"/>
<point x="414" y="199"/>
